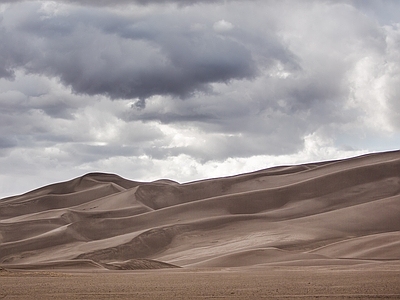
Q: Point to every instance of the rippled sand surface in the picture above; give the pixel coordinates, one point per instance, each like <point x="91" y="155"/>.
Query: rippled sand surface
<point x="322" y="229"/>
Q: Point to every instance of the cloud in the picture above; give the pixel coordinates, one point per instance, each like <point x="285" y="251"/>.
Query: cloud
<point x="103" y="53"/>
<point x="127" y="2"/>
<point x="223" y="26"/>
<point x="150" y="90"/>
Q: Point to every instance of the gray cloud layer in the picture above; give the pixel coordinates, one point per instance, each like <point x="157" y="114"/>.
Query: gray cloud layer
<point x="121" y="57"/>
<point x="143" y="88"/>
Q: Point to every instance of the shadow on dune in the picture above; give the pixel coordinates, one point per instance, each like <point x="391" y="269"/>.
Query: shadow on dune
<point x="335" y="212"/>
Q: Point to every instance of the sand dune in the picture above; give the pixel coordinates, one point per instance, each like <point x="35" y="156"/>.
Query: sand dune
<point x="335" y="212"/>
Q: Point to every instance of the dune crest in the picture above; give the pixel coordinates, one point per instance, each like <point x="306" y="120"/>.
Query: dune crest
<point x="334" y="212"/>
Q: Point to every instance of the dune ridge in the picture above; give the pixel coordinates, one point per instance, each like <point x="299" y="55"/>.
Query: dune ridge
<point x="334" y="212"/>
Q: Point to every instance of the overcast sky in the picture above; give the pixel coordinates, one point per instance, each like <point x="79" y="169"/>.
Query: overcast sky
<point x="191" y="89"/>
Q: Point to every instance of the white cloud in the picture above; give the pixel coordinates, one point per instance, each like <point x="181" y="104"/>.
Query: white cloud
<point x="222" y="26"/>
<point x="265" y="85"/>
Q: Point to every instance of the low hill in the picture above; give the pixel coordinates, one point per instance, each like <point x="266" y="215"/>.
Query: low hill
<point x="333" y="212"/>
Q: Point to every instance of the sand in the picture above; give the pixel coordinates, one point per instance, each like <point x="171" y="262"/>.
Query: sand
<point x="265" y="283"/>
<point x="320" y="222"/>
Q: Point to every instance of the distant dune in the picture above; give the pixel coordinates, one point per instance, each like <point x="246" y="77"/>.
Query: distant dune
<point x="327" y="213"/>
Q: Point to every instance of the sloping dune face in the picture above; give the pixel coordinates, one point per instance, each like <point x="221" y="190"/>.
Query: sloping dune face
<point x="337" y="212"/>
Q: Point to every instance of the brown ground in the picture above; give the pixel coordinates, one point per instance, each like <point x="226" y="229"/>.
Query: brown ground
<point x="277" y="229"/>
<point x="268" y="283"/>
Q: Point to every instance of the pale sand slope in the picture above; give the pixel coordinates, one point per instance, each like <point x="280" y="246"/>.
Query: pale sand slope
<point x="329" y="213"/>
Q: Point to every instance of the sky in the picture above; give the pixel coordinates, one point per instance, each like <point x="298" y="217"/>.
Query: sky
<point x="192" y="89"/>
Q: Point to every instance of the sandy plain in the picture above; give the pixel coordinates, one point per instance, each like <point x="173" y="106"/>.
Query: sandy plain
<point x="367" y="282"/>
<point x="320" y="230"/>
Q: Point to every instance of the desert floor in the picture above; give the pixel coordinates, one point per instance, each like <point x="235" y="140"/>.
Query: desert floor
<point x="374" y="281"/>
<point x="319" y="230"/>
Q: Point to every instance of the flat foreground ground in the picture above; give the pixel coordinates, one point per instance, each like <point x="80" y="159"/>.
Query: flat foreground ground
<point x="269" y="282"/>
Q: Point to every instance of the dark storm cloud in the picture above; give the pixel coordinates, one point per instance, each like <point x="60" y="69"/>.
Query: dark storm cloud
<point x="18" y="103"/>
<point x="59" y="110"/>
<point x="125" y="2"/>
<point x="11" y="53"/>
<point x="200" y="87"/>
<point x="7" y="142"/>
<point x="141" y="2"/>
<point x="307" y="90"/>
<point x="103" y="53"/>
